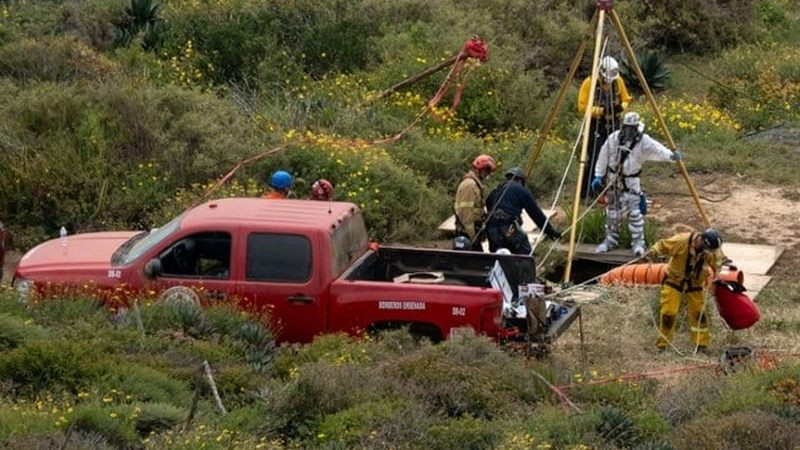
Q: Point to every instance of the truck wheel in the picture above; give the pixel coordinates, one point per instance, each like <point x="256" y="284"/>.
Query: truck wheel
<point x="178" y="295"/>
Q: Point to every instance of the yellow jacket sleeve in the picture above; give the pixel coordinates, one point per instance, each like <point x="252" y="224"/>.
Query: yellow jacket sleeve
<point x="583" y="99"/>
<point x="583" y="95"/>
<point x="669" y="246"/>
<point x="624" y="96"/>
<point x="468" y="206"/>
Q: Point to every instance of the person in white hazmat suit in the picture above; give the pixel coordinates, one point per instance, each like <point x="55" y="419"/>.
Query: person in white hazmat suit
<point x="621" y="159"/>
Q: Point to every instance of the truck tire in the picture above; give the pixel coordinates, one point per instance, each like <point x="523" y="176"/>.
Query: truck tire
<point x="179" y="295"/>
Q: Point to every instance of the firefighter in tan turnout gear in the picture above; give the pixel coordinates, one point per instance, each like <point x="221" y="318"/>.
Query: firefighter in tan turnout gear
<point x="469" y="207"/>
<point x="620" y="161"/>
<point x="691" y="256"/>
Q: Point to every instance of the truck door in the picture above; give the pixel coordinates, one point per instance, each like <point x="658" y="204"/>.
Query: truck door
<point x="200" y="262"/>
<point x="281" y="276"/>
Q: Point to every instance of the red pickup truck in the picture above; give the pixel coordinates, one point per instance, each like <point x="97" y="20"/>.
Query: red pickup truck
<point x="308" y="262"/>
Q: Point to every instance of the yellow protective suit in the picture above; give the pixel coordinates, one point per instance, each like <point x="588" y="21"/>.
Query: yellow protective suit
<point x="687" y="272"/>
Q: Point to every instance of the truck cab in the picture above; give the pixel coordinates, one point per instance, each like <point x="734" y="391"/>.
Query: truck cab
<point x="307" y="264"/>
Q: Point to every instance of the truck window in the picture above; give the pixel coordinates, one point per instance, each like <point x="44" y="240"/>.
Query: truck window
<point x="348" y="242"/>
<point x="278" y="257"/>
<point x="139" y="245"/>
<point x="200" y="255"/>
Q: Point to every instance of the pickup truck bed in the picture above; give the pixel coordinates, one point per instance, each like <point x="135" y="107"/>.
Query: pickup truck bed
<point x="458" y="268"/>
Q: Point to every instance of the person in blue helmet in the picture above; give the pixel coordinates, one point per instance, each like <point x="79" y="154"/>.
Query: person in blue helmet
<point x="505" y="205"/>
<point x="280" y="184"/>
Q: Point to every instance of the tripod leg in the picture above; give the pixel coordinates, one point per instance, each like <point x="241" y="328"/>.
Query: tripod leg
<point x="649" y="94"/>
<point x="585" y="143"/>
<point x="562" y="92"/>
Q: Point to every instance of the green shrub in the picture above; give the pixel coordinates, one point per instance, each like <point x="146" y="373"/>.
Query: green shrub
<point x="625" y="396"/>
<point x="18" y="420"/>
<point x="762" y="84"/>
<point x="54" y="365"/>
<point x="73" y="140"/>
<point x="115" y="424"/>
<point x="157" y="417"/>
<point x="463" y="432"/>
<point x="745" y="429"/>
<point x="552" y="425"/>
<point x="236" y="385"/>
<point x="592" y="228"/>
<point x="695" y="26"/>
<point x="147" y="384"/>
<point x="65" y="311"/>
<point x="689" y="398"/>
<point x="352" y="426"/>
<point x="250" y="418"/>
<point x="463" y="377"/>
<point x="15" y="331"/>
<point x="53" y="59"/>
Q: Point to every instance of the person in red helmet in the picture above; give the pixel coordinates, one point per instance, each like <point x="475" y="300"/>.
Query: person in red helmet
<point x="322" y="190"/>
<point x="469" y="206"/>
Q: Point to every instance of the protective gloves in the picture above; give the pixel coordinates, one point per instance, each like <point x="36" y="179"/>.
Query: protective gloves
<point x="597" y="184"/>
<point x="597" y="111"/>
<point x="676" y="156"/>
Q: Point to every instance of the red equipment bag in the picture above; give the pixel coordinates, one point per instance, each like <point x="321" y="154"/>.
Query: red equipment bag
<point x="735" y="307"/>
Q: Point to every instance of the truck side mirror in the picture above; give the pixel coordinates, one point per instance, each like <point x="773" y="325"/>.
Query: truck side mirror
<point x="152" y="268"/>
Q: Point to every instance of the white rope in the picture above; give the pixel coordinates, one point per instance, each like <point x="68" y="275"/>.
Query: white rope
<point x="560" y="188"/>
<point x="557" y="196"/>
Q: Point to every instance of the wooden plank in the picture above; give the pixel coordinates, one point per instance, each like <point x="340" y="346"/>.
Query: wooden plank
<point x="586" y="252"/>
<point x="528" y="226"/>
<point x="755" y="283"/>
<point x="751" y="258"/>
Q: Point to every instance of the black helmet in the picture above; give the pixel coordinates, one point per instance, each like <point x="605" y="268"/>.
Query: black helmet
<point x="711" y="239"/>
<point x="461" y="243"/>
<point x="515" y="172"/>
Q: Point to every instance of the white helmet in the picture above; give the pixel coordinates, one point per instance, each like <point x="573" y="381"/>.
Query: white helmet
<point x="632" y="119"/>
<point x="503" y="251"/>
<point x="609" y="68"/>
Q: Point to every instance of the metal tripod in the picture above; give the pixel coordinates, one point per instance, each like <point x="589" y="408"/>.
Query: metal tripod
<point x="604" y="7"/>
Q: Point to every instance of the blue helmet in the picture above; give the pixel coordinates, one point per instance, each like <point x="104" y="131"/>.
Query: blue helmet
<point x="281" y="179"/>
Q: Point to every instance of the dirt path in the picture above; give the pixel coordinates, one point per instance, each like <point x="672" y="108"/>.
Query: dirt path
<point x="745" y="211"/>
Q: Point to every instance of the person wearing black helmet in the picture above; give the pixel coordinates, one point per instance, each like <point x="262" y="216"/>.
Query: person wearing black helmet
<point x="691" y="256"/>
<point x="505" y="204"/>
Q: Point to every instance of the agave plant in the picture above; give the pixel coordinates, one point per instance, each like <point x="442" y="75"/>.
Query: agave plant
<point x="142" y="13"/>
<point x="142" y="17"/>
<point x="259" y="345"/>
<point x="655" y="71"/>
<point x="616" y="428"/>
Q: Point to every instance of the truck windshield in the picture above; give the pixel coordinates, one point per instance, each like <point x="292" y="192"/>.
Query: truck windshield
<point x="144" y="241"/>
<point x="348" y="242"/>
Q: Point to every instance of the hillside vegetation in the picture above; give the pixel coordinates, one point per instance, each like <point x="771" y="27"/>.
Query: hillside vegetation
<point x="73" y="376"/>
<point x="118" y="115"/>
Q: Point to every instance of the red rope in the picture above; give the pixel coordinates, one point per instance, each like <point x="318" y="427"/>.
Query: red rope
<point x="472" y="48"/>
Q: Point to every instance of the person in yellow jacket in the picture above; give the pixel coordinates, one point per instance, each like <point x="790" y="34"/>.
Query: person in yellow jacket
<point x="691" y="256"/>
<point x="611" y="99"/>
<point x="469" y="206"/>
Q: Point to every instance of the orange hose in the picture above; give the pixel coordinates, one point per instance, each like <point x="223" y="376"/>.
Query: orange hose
<point x="636" y="274"/>
<point x="650" y="274"/>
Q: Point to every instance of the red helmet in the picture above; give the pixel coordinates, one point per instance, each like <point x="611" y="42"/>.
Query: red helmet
<point x="484" y="162"/>
<point x="322" y="189"/>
